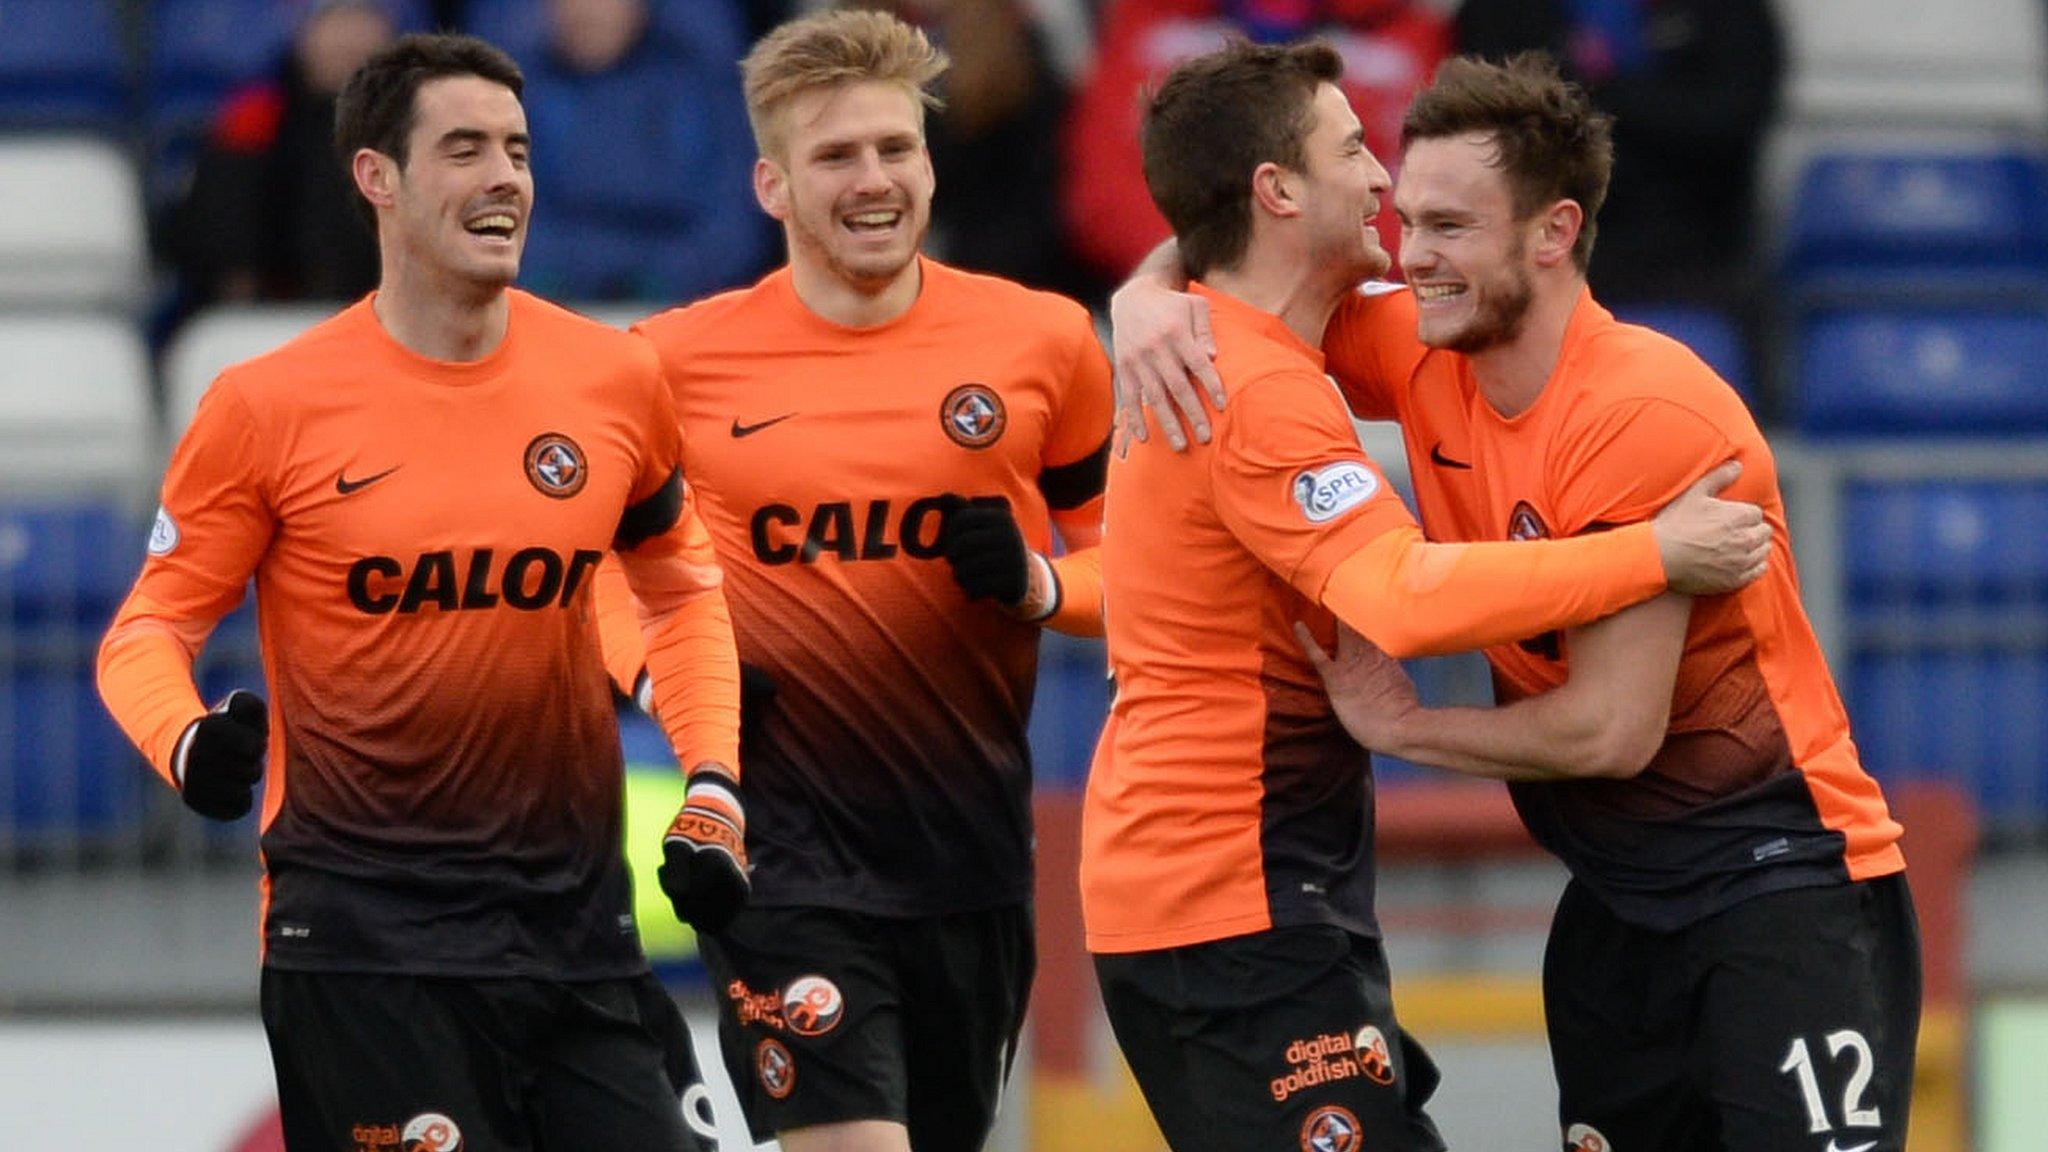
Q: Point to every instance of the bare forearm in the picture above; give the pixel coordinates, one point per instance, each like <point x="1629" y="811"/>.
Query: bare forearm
<point x="1527" y="740"/>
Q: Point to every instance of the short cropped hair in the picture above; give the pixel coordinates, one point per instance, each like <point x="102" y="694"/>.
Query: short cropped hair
<point x="379" y="105"/>
<point x="1209" y="127"/>
<point x="841" y="46"/>
<point x="1550" y="141"/>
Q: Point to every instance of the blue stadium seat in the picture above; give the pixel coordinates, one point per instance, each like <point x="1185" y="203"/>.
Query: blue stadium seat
<point x="61" y="65"/>
<point x="68" y="777"/>
<point x="1883" y="371"/>
<point x="1968" y="224"/>
<point x="1709" y="333"/>
<point x="66" y="562"/>
<point x="1068" y="709"/>
<point x="1973" y="718"/>
<point x="1976" y="541"/>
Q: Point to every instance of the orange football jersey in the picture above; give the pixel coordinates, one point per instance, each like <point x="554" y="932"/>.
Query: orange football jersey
<point x="444" y="784"/>
<point x="893" y="775"/>
<point x="1757" y="785"/>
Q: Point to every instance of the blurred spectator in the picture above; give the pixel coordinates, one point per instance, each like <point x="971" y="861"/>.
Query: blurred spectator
<point x="1390" y="48"/>
<point x="271" y="213"/>
<point x="996" y="209"/>
<point x="641" y="153"/>
<point x="1692" y="85"/>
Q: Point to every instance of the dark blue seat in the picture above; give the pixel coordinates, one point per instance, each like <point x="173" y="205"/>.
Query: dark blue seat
<point x="1974" y="718"/>
<point x="1068" y="709"/>
<point x="1710" y="334"/>
<point x="66" y="563"/>
<point x="67" y="774"/>
<point x="1886" y="371"/>
<point x="1945" y="541"/>
<point x="61" y="65"/>
<point x="1970" y="224"/>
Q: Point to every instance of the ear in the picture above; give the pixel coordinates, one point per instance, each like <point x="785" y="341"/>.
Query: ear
<point x="376" y="177"/>
<point x="771" y="188"/>
<point x="1273" y="190"/>
<point x="1558" y="229"/>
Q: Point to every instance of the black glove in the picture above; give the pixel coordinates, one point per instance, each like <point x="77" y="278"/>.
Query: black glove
<point x="704" y="855"/>
<point x="986" y="549"/>
<point x="220" y="757"/>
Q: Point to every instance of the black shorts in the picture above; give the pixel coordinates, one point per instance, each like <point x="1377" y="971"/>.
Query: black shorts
<point x="827" y="1016"/>
<point x="1282" y="1039"/>
<point x="394" y="1063"/>
<point x="1784" y="1024"/>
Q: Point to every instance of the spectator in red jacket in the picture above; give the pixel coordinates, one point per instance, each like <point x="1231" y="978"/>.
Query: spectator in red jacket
<point x="270" y="214"/>
<point x="1390" y="49"/>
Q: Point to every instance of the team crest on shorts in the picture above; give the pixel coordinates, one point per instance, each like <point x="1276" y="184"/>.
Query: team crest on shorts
<point x="973" y="416"/>
<point x="1330" y="1129"/>
<point x="1373" y="1056"/>
<point x="775" y="1067"/>
<point x="430" y="1132"/>
<point x="1586" y="1138"/>
<point x="812" y="1005"/>
<point x="556" y="466"/>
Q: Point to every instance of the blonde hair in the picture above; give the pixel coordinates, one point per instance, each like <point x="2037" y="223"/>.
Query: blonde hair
<point x="829" y="48"/>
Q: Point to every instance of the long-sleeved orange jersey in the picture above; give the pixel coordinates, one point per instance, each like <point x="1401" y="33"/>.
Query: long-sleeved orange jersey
<point x="893" y="775"/>
<point x="1757" y="786"/>
<point x="1225" y="797"/>
<point x="444" y="785"/>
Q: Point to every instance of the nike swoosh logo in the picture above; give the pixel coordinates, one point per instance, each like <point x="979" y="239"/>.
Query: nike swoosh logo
<point x="1437" y="457"/>
<point x="1863" y="1147"/>
<point x="740" y="430"/>
<point x="344" y="485"/>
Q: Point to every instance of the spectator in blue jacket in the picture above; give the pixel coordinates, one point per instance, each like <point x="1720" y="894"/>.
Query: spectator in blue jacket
<point x="641" y="148"/>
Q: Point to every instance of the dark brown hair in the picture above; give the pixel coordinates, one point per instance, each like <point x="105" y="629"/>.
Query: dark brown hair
<point x="1212" y="123"/>
<point x="1549" y="140"/>
<point x="377" y="107"/>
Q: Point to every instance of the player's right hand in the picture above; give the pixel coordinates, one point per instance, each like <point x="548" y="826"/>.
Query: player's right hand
<point x="1710" y="545"/>
<point x="1161" y="339"/>
<point x="219" y="758"/>
<point x="1369" y="690"/>
<point x="704" y="854"/>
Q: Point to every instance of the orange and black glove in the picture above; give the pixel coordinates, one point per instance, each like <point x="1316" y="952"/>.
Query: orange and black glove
<point x="704" y="854"/>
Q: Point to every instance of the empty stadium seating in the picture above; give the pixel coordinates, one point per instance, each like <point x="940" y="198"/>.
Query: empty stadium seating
<point x="1948" y="597"/>
<point x="62" y="66"/>
<point x="74" y="443"/>
<point x="1877" y="371"/>
<point x="1965" y="221"/>
<point x="72" y="233"/>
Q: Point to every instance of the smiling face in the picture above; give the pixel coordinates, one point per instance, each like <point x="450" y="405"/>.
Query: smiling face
<point x="460" y="203"/>
<point x="1341" y="188"/>
<point x="853" y="182"/>
<point x="1463" y="250"/>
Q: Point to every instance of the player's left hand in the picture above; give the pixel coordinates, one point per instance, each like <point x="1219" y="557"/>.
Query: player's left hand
<point x="1369" y="690"/>
<point x="990" y="560"/>
<point x="704" y="854"/>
